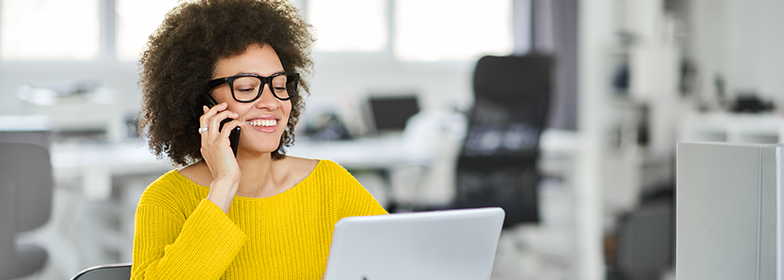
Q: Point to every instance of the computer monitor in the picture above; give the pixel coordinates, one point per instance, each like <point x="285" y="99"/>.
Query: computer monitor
<point x="390" y="113"/>
<point x="729" y="211"/>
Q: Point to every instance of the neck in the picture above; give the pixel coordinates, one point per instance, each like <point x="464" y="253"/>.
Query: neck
<point x="259" y="176"/>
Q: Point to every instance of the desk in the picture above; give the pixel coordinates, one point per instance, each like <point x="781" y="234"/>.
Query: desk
<point x="368" y="153"/>
<point x="96" y="163"/>
<point x="364" y="153"/>
<point x="383" y="155"/>
<point x="558" y="149"/>
<point x="378" y="155"/>
<point x="732" y="127"/>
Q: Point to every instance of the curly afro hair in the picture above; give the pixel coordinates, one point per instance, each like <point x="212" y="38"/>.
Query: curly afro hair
<point x="181" y="56"/>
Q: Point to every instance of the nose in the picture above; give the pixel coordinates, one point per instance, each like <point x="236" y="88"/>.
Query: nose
<point x="267" y="100"/>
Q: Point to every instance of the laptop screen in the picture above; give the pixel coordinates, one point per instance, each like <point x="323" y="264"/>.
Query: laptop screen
<point x="451" y="244"/>
<point x="390" y="113"/>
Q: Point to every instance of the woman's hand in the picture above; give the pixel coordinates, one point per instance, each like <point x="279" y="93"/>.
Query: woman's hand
<point x="217" y="153"/>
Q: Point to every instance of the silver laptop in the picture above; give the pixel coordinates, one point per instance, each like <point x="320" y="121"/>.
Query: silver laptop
<point x="451" y="244"/>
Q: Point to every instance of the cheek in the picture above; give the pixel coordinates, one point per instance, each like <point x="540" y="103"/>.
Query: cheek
<point x="286" y="108"/>
<point x="239" y="108"/>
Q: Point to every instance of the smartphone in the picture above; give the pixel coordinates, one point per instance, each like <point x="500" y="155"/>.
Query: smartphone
<point x="234" y="136"/>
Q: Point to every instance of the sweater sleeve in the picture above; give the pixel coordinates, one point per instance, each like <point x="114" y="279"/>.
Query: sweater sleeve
<point x="361" y="203"/>
<point x="355" y="199"/>
<point x="170" y="245"/>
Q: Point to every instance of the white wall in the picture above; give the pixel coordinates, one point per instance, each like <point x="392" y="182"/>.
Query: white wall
<point x="118" y="76"/>
<point x="347" y="76"/>
<point x="439" y="85"/>
<point x="743" y="40"/>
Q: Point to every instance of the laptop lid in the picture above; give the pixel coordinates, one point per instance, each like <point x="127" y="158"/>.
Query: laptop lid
<point x="391" y="113"/>
<point x="451" y="244"/>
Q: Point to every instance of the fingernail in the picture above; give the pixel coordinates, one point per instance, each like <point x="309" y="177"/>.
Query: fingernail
<point x="235" y="115"/>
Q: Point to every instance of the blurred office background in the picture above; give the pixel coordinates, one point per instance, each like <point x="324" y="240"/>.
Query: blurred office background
<point x="629" y="78"/>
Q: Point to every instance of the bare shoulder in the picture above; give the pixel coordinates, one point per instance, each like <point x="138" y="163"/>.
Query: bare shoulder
<point x="199" y="173"/>
<point x="298" y="163"/>
<point x="299" y="167"/>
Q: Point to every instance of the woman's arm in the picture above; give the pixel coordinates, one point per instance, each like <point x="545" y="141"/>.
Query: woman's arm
<point x="168" y="246"/>
<point x="217" y="153"/>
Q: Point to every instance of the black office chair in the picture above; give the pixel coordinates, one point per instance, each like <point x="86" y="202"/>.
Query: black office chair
<point x="498" y="162"/>
<point x="25" y="199"/>
<point x="120" y="271"/>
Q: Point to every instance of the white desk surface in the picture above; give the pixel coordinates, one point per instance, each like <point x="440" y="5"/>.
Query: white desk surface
<point x="391" y="152"/>
<point x="120" y="158"/>
<point x="96" y="163"/>
<point x="557" y="143"/>
<point x="134" y="156"/>
<point x="731" y="127"/>
<point x="366" y="153"/>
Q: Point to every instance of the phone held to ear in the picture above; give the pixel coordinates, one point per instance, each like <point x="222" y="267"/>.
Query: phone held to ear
<point x="234" y="136"/>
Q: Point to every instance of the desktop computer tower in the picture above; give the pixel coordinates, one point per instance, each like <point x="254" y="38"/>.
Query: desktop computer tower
<point x="729" y="211"/>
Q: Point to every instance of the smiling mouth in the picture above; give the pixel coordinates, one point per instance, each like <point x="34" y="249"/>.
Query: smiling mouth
<point x="263" y="123"/>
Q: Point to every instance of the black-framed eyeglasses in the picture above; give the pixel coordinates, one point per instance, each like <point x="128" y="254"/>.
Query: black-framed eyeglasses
<point x="247" y="88"/>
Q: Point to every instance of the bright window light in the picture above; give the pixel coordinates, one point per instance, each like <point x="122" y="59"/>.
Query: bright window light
<point x="136" y="20"/>
<point x="49" y="30"/>
<point x="349" y="25"/>
<point x="441" y="30"/>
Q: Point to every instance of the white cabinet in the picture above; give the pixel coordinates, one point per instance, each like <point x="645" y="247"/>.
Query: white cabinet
<point x="730" y="127"/>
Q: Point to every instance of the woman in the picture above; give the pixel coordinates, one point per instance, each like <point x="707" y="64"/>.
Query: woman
<point x="259" y="214"/>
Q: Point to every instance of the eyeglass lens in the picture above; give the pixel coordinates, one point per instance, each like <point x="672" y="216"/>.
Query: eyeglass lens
<point x="247" y="88"/>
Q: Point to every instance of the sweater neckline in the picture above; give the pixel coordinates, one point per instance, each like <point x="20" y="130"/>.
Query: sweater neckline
<point x="282" y="194"/>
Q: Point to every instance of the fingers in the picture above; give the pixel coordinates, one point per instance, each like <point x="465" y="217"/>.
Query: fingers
<point x="204" y="120"/>
<point x="215" y="122"/>
<point x="213" y="116"/>
<point x="216" y="139"/>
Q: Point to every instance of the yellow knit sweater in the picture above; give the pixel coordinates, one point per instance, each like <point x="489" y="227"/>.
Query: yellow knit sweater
<point x="181" y="235"/>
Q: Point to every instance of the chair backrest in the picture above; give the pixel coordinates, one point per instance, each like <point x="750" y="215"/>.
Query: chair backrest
<point x="497" y="163"/>
<point x="514" y="79"/>
<point x="25" y="166"/>
<point x="511" y="105"/>
<point x="26" y="184"/>
<point x="120" y="271"/>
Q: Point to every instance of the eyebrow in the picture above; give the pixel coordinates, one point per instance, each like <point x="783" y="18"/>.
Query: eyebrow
<point x="251" y="73"/>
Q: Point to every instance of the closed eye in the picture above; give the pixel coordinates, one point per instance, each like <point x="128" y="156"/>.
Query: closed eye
<point x="246" y="90"/>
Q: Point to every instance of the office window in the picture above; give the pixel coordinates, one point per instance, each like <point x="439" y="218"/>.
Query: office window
<point x="349" y="25"/>
<point x="439" y="30"/>
<point x="136" y="20"/>
<point x="49" y="29"/>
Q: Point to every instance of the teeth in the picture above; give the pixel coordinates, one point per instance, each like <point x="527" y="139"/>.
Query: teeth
<point x="263" y="122"/>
